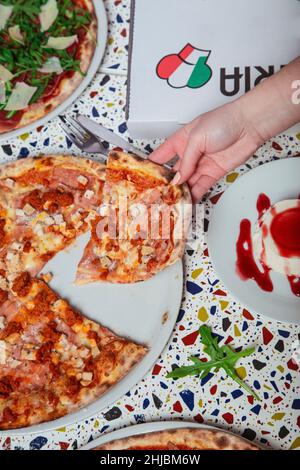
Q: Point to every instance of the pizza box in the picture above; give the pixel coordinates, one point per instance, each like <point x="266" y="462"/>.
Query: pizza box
<point x="187" y="58"/>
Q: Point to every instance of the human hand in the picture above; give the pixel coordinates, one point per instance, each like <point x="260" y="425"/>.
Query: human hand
<point x="209" y="147"/>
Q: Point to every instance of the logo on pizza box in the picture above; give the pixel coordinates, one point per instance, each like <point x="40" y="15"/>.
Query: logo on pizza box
<point x="187" y="69"/>
<point x="190" y="69"/>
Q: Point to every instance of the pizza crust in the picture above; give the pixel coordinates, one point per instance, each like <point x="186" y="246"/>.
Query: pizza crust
<point x="16" y="168"/>
<point x="135" y="163"/>
<point x="193" y="439"/>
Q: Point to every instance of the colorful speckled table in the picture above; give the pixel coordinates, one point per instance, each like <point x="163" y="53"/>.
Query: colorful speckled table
<point x="274" y="369"/>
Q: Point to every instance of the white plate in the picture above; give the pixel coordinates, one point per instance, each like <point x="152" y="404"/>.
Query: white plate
<point x="148" y="428"/>
<point x="94" y="66"/>
<point x="279" y="180"/>
<point x="145" y="312"/>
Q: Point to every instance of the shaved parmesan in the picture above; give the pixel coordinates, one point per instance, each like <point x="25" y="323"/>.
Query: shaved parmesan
<point x="20" y="97"/>
<point x="5" y="12"/>
<point x="52" y="65"/>
<point x="61" y="43"/>
<point x="5" y="74"/>
<point x="15" y="34"/>
<point x="48" y="14"/>
<point x="2" y="92"/>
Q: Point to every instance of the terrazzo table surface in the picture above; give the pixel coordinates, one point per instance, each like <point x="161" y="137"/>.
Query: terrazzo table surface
<point x="272" y="371"/>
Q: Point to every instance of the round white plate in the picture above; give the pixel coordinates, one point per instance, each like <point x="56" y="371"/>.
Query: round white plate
<point x="279" y="180"/>
<point x="94" y="66"/>
<point x="145" y="312"/>
<point x="148" y="428"/>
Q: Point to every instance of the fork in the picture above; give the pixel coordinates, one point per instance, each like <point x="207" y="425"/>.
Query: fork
<point x="89" y="143"/>
<point x="80" y="137"/>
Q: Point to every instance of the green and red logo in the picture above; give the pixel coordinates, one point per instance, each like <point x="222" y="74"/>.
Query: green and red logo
<point x="188" y="68"/>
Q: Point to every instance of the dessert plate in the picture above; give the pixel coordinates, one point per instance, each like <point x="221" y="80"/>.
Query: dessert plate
<point x="279" y="180"/>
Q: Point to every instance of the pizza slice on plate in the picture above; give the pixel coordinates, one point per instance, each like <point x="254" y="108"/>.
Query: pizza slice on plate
<point x="142" y="223"/>
<point x="54" y="360"/>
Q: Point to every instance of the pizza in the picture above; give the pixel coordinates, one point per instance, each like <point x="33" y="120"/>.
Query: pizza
<point x="142" y="223"/>
<point x="54" y="360"/>
<point x="187" y="439"/>
<point x="46" y="48"/>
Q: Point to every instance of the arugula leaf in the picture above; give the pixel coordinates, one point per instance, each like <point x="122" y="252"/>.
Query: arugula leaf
<point x="221" y="358"/>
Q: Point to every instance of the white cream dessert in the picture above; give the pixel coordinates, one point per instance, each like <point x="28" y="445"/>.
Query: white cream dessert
<point x="276" y="241"/>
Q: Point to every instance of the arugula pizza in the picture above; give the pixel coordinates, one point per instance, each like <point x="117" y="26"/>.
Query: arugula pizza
<point x="46" y="47"/>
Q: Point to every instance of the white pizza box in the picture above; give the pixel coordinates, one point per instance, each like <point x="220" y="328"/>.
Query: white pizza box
<point x="188" y="57"/>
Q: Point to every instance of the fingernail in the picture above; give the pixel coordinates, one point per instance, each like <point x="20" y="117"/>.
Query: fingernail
<point x="176" y="179"/>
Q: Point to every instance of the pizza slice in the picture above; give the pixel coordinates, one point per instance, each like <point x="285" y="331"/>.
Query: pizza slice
<point x="142" y="223"/>
<point x="53" y="360"/>
<point x="50" y="201"/>
<point x="181" y="439"/>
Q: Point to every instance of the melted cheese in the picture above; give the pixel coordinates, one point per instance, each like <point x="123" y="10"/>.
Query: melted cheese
<point x="48" y="14"/>
<point x="20" y="97"/>
<point x="60" y="43"/>
<point x="3" y="356"/>
<point x="2" y="323"/>
<point x="5" y="13"/>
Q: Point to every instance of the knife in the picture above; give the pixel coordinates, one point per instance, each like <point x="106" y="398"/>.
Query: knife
<point x="107" y="135"/>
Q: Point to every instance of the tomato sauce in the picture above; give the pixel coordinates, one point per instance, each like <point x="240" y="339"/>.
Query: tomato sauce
<point x="140" y="181"/>
<point x="8" y="124"/>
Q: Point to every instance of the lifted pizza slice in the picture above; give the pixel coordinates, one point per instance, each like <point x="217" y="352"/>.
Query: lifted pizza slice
<point x="142" y="223"/>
